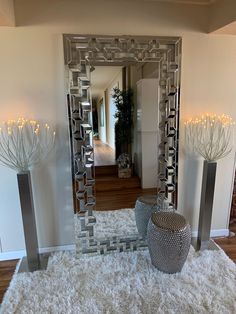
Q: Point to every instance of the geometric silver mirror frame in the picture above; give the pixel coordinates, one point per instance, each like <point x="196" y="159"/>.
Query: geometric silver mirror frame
<point x="81" y="52"/>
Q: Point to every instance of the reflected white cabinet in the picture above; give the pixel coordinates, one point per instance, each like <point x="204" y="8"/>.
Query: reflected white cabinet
<point x="147" y="131"/>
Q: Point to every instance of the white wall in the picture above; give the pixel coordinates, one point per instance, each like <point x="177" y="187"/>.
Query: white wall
<point x="111" y="109"/>
<point x="101" y="111"/>
<point x="147" y="131"/>
<point x="207" y="85"/>
<point x="32" y="84"/>
<point x="147" y="71"/>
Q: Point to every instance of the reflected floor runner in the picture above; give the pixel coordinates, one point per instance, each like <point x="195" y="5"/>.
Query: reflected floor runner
<point x="125" y="283"/>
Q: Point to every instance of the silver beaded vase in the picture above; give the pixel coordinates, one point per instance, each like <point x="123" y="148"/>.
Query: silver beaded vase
<point x="168" y="238"/>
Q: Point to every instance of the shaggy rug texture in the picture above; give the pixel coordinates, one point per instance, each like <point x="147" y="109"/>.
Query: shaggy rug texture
<point x="110" y="223"/>
<point x="125" y="283"/>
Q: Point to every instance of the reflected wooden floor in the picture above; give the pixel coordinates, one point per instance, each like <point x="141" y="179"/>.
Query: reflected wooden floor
<point x="112" y="200"/>
<point x="114" y="193"/>
<point x="103" y="154"/>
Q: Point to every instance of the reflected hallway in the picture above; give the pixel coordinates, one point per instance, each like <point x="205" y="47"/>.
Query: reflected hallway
<point x="104" y="155"/>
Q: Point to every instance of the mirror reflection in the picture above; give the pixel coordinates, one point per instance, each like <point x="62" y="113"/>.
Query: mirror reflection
<point x="131" y="138"/>
<point x="125" y="144"/>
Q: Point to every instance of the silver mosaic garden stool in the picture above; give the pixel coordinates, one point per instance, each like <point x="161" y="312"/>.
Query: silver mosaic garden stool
<point x="168" y="238"/>
<point x="144" y="207"/>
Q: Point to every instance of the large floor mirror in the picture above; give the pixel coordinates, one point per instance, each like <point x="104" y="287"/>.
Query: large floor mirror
<point x="105" y="75"/>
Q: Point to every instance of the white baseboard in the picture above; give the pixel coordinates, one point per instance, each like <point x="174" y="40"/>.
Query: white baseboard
<point x="4" y="256"/>
<point x="69" y="247"/>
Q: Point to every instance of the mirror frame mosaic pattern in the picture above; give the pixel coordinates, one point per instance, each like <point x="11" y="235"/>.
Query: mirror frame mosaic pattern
<point x="82" y="52"/>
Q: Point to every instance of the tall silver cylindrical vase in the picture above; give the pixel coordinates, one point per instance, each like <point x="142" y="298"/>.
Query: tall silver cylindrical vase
<point x="207" y="197"/>
<point x="28" y="216"/>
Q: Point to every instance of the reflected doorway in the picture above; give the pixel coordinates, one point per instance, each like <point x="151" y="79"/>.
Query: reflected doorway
<point x="112" y="192"/>
<point x="103" y="81"/>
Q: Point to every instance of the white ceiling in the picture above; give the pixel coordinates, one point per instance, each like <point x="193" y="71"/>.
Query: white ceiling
<point x="101" y="77"/>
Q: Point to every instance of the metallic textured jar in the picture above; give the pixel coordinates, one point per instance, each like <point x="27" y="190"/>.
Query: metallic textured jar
<point x="144" y="207"/>
<point x="168" y="238"/>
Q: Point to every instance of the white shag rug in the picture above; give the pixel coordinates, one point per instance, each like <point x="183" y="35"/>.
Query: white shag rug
<point x="125" y="283"/>
<point x="110" y="223"/>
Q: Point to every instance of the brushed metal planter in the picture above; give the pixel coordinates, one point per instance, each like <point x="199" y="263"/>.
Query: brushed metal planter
<point x="32" y="261"/>
<point x="207" y="197"/>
